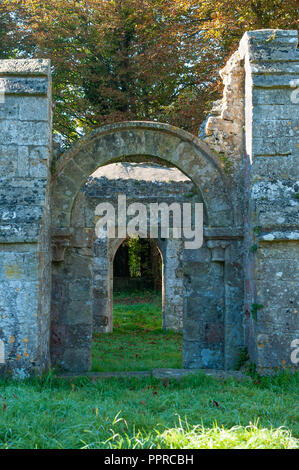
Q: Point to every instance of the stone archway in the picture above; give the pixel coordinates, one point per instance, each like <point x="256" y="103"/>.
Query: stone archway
<point x="150" y="140"/>
<point x="172" y="288"/>
<point x="103" y="310"/>
<point x="207" y="329"/>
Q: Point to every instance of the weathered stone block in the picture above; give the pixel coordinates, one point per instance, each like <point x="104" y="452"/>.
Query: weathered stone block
<point x="10" y="108"/>
<point x="78" y="312"/>
<point x="272" y="98"/>
<point x="33" y="108"/>
<point x="24" y="133"/>
<point x="196" y="356"/>
<point x="24" y="86"/>
<point x="76" y="360"/>
<point x="79" y="290"/>
<point x="8" y="160"/>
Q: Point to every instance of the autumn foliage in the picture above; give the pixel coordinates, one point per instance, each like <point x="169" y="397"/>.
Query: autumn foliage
<point x="116" y="60"/>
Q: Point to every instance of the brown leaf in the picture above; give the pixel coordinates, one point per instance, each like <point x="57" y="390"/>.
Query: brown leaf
<point x="215" y="403"/>
<point x="165" y="382"/>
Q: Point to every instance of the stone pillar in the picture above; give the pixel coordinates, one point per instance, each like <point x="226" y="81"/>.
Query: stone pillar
<point x="102" y="298"/>
<point x="204" y="309"/>
<point x="25" y="149"/>
<point x="173" y="285"/>
<point x="271" y="63"/>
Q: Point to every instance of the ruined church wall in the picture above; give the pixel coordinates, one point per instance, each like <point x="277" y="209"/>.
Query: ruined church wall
<point x="252" y="206"/>
<point x="103" y="189"/>
<point x="271" y="61"/>
<point x="25" y="152"/>
<point x="254" y="129"/>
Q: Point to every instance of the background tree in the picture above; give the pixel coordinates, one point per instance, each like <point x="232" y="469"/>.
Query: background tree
<point x="135" y="59"/>
<point x="7" y="26"/>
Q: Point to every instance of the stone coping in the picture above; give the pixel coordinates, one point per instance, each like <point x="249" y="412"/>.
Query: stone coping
<point x="25" y="67"/>
<point x="162" y="374"/>
<point x="292" y="235"/>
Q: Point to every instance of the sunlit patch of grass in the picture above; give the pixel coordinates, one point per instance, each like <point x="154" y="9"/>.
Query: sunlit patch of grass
<point x="138" y="341"/>
<point x="200" y="437"/>
<point x="237" y="437"/>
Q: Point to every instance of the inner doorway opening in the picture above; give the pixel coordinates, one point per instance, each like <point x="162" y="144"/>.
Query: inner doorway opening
<point x="138" y="266"/>
<point x="139" y="340"/>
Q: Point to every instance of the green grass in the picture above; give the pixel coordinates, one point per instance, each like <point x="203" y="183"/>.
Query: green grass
<point x="196" y="412"/>
<point x="138" y="341"/>
<point x="147" y="413"/>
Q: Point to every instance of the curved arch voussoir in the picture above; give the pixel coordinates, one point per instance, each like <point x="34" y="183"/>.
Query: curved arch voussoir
<point x="160" y="141"/>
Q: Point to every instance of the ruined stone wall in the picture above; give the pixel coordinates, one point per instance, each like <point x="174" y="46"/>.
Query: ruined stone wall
<point x="271" y="61"/>
<point x="249" y="186"/>
<point x="99" y="189"/>
<point x="224" y="130"/>
<point x="215" y="305"/>
<point x="25" y="152"/>
<point x="261" y="98"/>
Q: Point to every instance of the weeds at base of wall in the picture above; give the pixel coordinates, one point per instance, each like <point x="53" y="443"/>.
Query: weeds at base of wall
<point x="254" y="310"/>
<point x="253" y="248"/>
<point x="246" y="366"/>
<point x="242" y="358"/>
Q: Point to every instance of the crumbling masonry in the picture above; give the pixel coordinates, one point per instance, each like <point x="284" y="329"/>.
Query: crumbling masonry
<point x="240" y="288"/>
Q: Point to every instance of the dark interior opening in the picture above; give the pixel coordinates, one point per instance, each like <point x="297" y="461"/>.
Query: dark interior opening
<point x="137" y="266"/>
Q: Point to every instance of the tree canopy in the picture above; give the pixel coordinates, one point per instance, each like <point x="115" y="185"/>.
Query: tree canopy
<point x="116" y="60"/>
